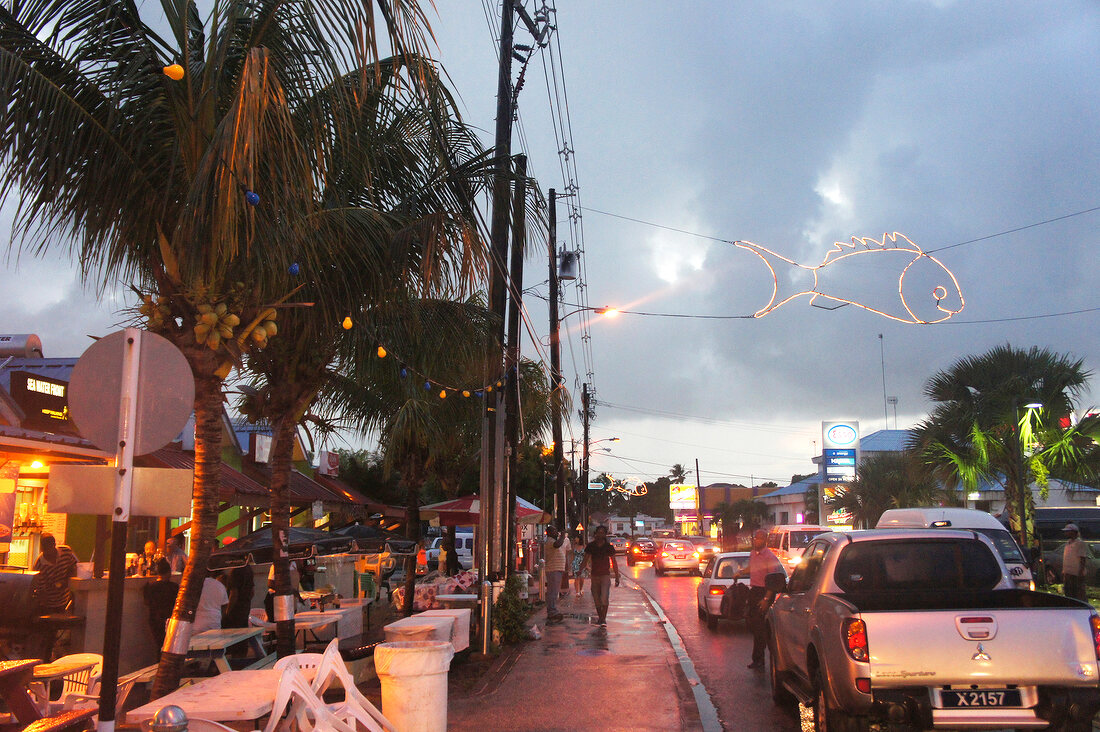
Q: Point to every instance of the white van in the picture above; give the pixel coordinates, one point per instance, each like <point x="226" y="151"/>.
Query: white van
<point x="787" y="541"/>
<point x="964" y="518"/>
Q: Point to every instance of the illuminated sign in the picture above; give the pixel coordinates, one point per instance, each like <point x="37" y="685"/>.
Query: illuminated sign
<point x="597" y="486"/>
<point x="45" y="401"/>
<point x="840" y="450"/>
<point x="915" y="303"/>
<point x="682" y="496"/>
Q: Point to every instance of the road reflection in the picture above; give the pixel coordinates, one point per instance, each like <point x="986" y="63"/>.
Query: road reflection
<point x="720" y="656"/>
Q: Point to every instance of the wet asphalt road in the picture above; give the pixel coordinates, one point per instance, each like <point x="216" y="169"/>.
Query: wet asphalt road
<point x="740" y="695"/>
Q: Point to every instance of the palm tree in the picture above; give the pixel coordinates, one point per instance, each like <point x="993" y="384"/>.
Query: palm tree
<point x="197" y="184"/>
<point x="887" y="480"/>
<point x="415" y="223"/>
<point x="981" y="426"/>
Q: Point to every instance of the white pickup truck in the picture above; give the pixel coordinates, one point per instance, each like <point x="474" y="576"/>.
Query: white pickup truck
<point x="911" y="629"/>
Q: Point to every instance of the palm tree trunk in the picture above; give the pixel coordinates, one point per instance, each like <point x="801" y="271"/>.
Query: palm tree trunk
<point x="204" y="502"/>
<point x="282" y="453"/>
<point x="411" y="477"/>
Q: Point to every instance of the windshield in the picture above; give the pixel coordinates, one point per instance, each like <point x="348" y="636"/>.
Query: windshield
<point x="1006" y="545"/>
<point x="924" y="564"/>
<point x="800" y="539"/>
<point x="676" y="546"/>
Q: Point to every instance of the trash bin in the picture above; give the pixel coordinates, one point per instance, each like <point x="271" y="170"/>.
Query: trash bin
<point x="525" y="580"/>
<point x="403" y="633"/>
<point x="414" y="683"/>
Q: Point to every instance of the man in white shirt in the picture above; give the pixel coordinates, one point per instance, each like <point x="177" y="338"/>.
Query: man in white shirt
<point x="554" y="548"/>
<point x="211" y="608"/>
<point x="1074" y="565"/>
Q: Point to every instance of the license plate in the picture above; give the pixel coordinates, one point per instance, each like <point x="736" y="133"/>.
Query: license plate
<point x="681" y="556"/>
<point x="966" y="698"/>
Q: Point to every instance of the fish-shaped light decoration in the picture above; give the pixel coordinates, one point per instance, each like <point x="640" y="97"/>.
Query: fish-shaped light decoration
<point x="895" y="250"/>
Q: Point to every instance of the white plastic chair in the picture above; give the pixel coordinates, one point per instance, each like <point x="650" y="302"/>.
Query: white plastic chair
<point x="83" y="701"/>
<point x="297" y="707"/>
<point x="85" y="681"/>
<point x="355" y="707"/>
<point x="307" y="663"/>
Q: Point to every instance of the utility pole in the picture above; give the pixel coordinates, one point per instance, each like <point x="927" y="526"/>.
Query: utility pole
<point x="585" y="415"/>
<point x="555" y="366"/>
<point x="512" y="423"/>
<point x="489" y="530"/>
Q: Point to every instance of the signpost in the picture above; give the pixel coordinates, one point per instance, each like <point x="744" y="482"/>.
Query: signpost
<point x="130" y="392"/>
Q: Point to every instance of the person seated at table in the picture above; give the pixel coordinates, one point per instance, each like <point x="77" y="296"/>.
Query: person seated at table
<point x="240" y="584"/>
<point x="177" y="555"/>
<point x="211" y="608"/>
<point x="160" y="599"/>
<point x="146" y="563"/>
<point x="50" y="587"/>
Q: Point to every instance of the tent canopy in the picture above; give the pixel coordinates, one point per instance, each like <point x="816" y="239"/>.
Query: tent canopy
<point x="465" y="511"/>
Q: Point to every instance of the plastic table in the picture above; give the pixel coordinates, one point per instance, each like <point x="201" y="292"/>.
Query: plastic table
<point x="233" y="696"/>
<point x="442" y="627"/>
<point x="349" y="620"/>
<point x="212" y="644"/>
<point x="460" y="632"/>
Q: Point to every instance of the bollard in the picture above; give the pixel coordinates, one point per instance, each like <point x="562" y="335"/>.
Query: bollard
<point x="169" y="719"/>
<point x="486" y="615"/>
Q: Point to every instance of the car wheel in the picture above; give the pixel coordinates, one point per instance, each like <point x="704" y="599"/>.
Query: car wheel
<point x="702" y="612"/>
<point x="712" y="622"/>
<point x="780" y="695"/>
<point x="830" y="719"/>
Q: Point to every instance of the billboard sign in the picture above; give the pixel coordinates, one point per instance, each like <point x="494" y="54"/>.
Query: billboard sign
<point x="45" y="401"/>
<point x="682" y="497"/>
<point x="840" y="450"/>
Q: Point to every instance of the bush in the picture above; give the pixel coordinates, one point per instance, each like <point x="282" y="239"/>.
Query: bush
<point x="511" y="612"/>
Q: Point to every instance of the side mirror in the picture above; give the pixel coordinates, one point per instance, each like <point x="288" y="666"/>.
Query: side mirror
<point x="775" y="582"/>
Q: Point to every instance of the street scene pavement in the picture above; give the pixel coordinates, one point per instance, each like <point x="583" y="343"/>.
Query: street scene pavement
<point x="581" y="676"/>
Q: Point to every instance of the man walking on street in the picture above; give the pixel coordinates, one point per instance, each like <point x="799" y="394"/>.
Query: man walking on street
<point x="1074" y="565"/>
<point x="554" y="550"/>
<point x="762" y="562"/>
<point x="600" y="555"/>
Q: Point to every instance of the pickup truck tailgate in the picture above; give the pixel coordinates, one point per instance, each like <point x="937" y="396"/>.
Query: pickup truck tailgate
<point x="1025" y="646"/>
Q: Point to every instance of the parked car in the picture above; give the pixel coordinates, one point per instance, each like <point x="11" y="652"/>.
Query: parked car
<point x="919" y="629"/>
<point x="676" y="555"/>
<point x="720" y="573"/>
<point x="641" y="549"/>
<point x="706" y="546"/>
<point x="621" y="544"/>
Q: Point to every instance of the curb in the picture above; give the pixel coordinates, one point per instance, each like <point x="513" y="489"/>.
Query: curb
<point x="708" y="715"/>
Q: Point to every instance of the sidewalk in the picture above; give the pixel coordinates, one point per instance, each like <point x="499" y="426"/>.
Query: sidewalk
<point x="580" y="676"/>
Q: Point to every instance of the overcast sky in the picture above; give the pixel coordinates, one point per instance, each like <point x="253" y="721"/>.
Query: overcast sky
<point x="789" y="125"/>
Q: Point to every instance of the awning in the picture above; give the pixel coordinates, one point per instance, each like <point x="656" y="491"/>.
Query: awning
<point x="236" y="487"/>
<point x="465" y="511"/>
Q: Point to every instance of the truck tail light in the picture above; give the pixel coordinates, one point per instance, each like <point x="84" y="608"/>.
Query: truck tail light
<point x="855" y="639"/>
<point x="1094" y="621"/>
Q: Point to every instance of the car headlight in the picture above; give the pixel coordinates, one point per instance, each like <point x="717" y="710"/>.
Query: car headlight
<point x="794" y="561"/>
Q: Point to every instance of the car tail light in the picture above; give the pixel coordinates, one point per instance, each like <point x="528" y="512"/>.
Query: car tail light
<point x="863" y="685"/>
<point x="696" y="555"/>
<point x="637" y="550"/>
<point x="1094" y="620"/>
<point x="855" y="639"/>
<point x="664" y="554"/>
<point x="717" y="590"/>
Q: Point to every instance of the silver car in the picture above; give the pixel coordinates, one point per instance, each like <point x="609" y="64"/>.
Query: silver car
<point x="721" y="572"/>
<point x="676" y="555"/>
